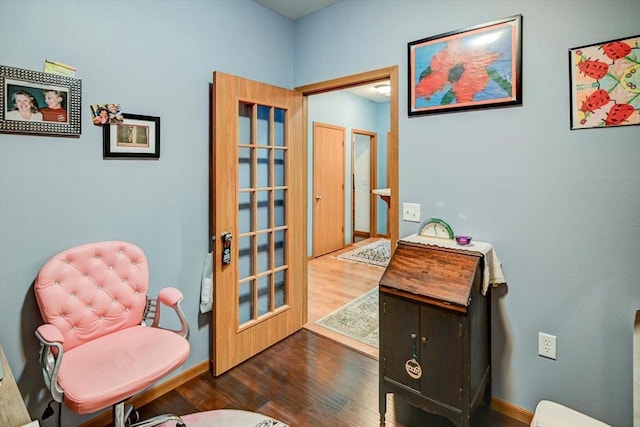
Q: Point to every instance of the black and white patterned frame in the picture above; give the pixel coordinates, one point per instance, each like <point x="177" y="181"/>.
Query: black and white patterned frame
<point x="11" y="77"/>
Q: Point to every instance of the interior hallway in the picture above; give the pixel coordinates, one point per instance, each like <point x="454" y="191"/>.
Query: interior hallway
<point x="333" y="283"/>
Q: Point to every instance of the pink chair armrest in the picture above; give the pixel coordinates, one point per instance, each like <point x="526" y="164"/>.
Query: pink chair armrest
<point x="50" y="333"/>
<point x="170" y="296"/>
<point x="51" y="340"/>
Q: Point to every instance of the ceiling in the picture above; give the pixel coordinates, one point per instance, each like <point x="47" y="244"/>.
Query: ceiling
<point x="369" y="91"/>
<point x="295" y="9"/>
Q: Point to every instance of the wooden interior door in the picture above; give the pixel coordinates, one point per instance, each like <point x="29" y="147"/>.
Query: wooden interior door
<point x="328" y="188"/>
<point x="258" y="169"/>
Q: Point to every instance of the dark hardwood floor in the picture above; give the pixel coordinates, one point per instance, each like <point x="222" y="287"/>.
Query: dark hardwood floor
<point x="306" y="380"/>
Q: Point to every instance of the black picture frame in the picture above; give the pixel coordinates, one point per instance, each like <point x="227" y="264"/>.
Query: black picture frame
<point x="470" y="68"/>
<point x="16" y="83"/>
<point x="136" y="137"/>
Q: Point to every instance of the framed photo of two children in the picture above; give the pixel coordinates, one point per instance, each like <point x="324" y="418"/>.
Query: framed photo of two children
<point x="38" y="103"/>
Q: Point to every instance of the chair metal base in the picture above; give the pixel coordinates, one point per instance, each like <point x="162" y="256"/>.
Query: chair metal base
<point x="121" y="416"/>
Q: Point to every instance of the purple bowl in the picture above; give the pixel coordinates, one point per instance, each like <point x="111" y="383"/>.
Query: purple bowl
<point x="463" y="240"/>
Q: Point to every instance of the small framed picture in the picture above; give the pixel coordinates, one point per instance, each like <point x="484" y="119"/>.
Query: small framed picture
<point x="104" y="114"/>
<point x="38" y="103"/>
<point x="134" y="137"/>
<point x="605" y="84"/>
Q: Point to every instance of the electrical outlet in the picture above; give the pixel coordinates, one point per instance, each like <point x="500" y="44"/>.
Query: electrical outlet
<point x="411" y="212"/>
<point x="547" y="345"/>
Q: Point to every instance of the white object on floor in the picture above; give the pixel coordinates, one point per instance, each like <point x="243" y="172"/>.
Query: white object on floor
<point x="552" y="414"/>
<point x="227" y="418"/>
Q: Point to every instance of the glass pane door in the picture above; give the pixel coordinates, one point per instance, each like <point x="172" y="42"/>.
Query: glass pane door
<point x="258" y="212"/>
<point x="262" y="222"/>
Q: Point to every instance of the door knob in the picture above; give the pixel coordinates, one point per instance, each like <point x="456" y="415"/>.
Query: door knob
<point x="318" y="197"/>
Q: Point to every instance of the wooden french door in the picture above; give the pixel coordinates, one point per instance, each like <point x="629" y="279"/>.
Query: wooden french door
<point x="258" y="166"/>
<point x="328" y="188"/>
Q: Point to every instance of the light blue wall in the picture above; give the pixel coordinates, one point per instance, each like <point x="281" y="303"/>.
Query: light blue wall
<point x="154" y="58"/>
<point x="561" y="207"/>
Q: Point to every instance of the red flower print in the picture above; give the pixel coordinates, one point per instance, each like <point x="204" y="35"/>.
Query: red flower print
<point x="465" y="70"/>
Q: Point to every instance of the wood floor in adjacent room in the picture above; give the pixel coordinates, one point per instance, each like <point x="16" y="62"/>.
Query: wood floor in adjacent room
<point x="308" y="379"/>
<point x="334" y="283"/>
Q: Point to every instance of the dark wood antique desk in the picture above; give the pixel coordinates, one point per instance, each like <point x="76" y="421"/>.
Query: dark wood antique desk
<point x="434" y="331"/>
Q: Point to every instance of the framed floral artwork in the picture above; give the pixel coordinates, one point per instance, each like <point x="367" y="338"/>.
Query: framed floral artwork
<point x="475" y="67"/>
<point x="605" y="84"/>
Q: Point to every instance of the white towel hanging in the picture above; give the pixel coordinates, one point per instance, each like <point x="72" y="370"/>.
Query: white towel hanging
<point x="206" y="288"/>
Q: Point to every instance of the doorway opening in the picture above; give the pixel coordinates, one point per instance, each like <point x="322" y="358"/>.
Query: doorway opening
<point x="390" y="199"/>
<point x="389" y="74"/>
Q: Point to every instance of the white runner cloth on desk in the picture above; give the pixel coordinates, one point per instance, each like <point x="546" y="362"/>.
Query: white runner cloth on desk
<point x="492" y="273"/>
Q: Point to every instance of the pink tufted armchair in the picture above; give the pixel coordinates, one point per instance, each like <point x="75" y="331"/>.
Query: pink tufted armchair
<point x="96" y="347"/>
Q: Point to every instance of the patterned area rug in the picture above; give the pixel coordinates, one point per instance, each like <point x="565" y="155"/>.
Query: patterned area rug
<point x="357" y="320"/>
<point x="227" y="418"/>
<point x="376" y="253"/>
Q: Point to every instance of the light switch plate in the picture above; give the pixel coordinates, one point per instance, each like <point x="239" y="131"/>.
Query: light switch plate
<point x="411" y="212"/>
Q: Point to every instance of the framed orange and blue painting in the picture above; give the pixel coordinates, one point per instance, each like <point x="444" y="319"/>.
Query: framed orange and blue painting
<point x="605" y="84"/>
<point x="470" y="68"/>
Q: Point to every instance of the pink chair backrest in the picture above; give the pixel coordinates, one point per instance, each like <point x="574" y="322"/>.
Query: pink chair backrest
<point x="93" y="290"/>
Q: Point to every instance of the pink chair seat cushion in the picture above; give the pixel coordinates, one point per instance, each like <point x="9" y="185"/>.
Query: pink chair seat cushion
<point x="112" y="368"/>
